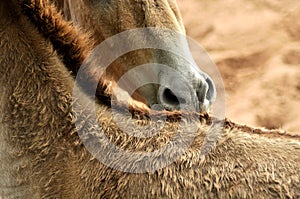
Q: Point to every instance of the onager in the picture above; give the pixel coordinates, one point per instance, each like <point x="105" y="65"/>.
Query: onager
<point x="42" y="131"/>
<point x="104" y="19"/>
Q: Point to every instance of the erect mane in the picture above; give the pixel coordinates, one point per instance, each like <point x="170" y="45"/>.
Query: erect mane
<point x="275" y="133"/>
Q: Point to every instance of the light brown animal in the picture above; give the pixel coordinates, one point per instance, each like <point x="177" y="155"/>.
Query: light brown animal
<point x="104" y="19"/>
<point x="42" y="156"/>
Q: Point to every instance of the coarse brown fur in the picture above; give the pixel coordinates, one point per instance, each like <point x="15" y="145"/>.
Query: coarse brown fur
<point x="65" y="39"/>
<point x="74" y="47"/>
<point x="42" y="156"/>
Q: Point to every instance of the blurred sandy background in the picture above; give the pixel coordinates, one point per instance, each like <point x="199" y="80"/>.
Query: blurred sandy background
<point x="256" y="46"/>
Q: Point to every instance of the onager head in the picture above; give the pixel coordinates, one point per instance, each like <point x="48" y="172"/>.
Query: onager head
<point x="184" y="84"/>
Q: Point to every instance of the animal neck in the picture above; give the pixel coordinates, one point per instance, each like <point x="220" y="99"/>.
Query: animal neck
<point x="74" y="47"/>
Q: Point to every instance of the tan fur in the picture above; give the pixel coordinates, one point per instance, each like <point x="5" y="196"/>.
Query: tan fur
<point x="41" y="155"/>
<point x="117" y="16"/>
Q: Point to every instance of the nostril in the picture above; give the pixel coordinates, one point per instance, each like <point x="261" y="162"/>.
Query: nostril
<point x="211" y="92"/>
<point x="171" y="99"/>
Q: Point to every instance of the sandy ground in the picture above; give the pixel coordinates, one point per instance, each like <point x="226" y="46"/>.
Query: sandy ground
<point x="256" y="46"/>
